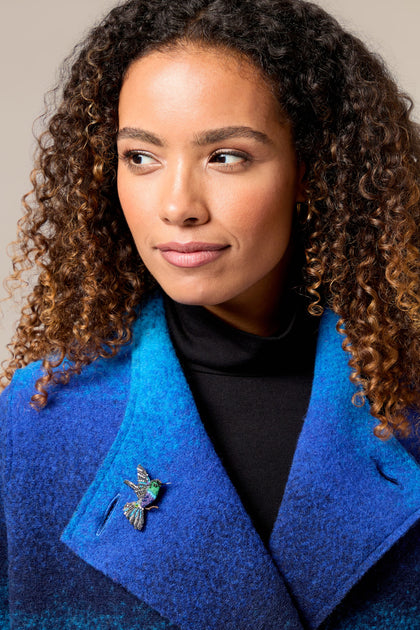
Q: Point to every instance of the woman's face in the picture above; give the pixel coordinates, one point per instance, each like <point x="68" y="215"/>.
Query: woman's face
<point x="207" y="177"/>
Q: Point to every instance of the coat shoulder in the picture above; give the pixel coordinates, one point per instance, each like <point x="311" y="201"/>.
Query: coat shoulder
<point x="80" y="417"/>
<point x="100" y="380"/>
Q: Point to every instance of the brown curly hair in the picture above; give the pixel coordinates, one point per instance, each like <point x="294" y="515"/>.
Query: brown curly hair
<point x="352" y="130"/>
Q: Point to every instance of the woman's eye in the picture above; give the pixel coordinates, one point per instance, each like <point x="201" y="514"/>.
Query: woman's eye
<point x="140" y="159"/>
<point x="136" y="159"/>
<point x="229" y="159"/>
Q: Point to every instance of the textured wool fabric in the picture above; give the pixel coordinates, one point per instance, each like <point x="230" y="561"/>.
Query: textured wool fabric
<point x="198" y="561"/>
<point x="252" y="394"/>
<point x="350" y="507"/>
<point x="48" y="460"/>
<point x="350" y="496"/>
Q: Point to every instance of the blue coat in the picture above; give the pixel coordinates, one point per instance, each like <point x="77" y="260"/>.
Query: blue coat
<point x="343" y="554"/>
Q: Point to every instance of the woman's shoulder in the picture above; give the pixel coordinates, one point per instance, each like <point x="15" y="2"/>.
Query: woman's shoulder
<point x="98" y="384"/>
<point x="103" y="383"/>
<point x="21" y="387"/>
<point x="77" y="425"/>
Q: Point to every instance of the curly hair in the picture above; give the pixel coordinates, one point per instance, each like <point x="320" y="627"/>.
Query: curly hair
<point x="361" y="231"/>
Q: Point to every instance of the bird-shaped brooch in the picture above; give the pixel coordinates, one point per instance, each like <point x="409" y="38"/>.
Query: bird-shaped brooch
<point x="147" y="492"/>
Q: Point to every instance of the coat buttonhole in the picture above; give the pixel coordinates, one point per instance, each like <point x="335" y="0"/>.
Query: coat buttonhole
<point x="109" y="510"/>
<point x="381" y="471"/>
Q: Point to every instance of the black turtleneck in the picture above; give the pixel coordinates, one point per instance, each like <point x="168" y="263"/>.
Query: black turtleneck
<point x="252" y="394"/>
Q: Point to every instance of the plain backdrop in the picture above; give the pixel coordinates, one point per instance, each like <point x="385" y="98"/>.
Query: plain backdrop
<point x="36" y="36"/>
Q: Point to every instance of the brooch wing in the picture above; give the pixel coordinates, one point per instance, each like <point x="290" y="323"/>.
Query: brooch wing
<point x="135" y="514"/>
<point x="142" y="476"/>
<point x="143" y="481"/>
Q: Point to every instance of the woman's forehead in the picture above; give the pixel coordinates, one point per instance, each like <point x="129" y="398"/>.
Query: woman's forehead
<point x="192" y="83"/>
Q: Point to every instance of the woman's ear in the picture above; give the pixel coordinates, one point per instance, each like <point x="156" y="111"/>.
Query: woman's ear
<point x="301" y="195"/>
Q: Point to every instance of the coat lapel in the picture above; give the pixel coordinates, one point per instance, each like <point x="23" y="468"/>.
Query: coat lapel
<point x="349" y="496"/>
<point x="198" y="560"/>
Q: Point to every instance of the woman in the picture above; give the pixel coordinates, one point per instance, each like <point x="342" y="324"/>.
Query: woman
<point x="208" y="160"/>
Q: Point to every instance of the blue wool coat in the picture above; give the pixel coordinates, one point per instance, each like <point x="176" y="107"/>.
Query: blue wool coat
<point x="343" y="554"/>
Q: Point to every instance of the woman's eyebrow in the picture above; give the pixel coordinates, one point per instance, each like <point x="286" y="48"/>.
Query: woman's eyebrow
<point x="224" y="133"/>
<point x="133" y="133"/>
<point x="200" y="139"/>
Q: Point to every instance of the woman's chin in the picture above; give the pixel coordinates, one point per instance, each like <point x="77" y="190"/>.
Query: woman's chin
<point x="197" y="296"/>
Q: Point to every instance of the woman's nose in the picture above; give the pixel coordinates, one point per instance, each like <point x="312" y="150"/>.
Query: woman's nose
<point x="183" y="199"/>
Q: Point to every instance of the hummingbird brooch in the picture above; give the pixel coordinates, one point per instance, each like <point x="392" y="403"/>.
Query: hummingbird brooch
<point x="147" y="491"/>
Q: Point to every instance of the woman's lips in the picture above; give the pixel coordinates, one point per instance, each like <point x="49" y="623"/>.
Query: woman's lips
<point x="191" y="254"/>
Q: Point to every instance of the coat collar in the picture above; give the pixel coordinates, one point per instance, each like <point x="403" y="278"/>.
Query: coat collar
<point x="199" y="560"/>
<point x="349" y="496"/>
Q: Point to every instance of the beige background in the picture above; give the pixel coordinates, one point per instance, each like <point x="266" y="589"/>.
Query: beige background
<point x="36" y="35"/>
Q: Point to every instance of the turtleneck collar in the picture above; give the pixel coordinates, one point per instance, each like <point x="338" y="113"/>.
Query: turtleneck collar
<point x="208" y="344"/>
